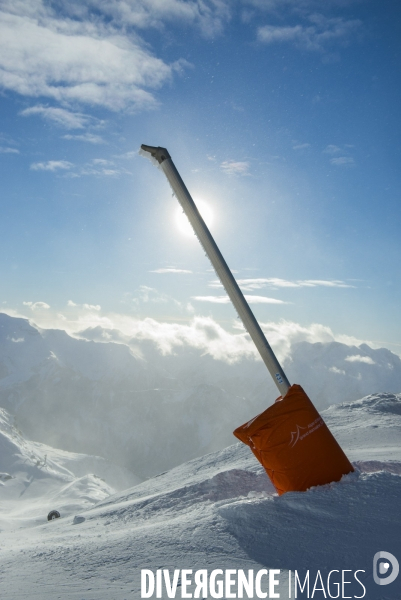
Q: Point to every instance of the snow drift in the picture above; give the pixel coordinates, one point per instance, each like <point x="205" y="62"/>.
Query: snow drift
<point x="220" y="512"/>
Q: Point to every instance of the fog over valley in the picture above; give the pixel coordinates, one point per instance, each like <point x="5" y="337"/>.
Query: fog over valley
<point x="150" y="408"/>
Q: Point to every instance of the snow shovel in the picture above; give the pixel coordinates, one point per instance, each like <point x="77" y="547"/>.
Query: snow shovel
<point x="289" y="438"/>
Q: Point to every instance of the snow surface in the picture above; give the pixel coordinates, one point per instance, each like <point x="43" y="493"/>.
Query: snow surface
<point x="218" y="512"/>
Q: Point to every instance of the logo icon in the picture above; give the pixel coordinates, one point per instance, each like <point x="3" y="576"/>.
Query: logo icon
<point x="295" y="435"/>
<point x="382" y="561"/>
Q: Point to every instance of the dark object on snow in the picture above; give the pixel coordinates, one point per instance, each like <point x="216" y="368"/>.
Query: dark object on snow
<point x="53" y="514"/>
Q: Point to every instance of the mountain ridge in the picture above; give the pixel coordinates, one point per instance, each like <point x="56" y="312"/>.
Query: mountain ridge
<point x="148" y="411"/>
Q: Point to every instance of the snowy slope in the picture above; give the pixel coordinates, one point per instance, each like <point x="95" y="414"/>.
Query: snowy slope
<point x="220" y="512"/>
<point x="369" y="428"/>
<point x="35" y="478"/>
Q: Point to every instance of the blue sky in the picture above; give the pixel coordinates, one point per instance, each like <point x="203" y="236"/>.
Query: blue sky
<point x="282" y="115"/>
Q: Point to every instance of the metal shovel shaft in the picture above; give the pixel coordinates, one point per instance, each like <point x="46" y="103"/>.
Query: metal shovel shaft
<point x="221" y="267"/>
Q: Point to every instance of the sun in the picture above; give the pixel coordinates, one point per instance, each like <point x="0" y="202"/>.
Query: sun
<point x="184" y="226"/>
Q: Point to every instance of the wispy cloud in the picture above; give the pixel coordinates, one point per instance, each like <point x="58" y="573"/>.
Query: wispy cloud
<point x="60" y="116"/>
<point x="97" y="167"/>
<point x="73" y="60"/>
<point x="7" y="150"/>
<point x="85" y="306"/>
<point x="170" y="270"/>
<point x="200" y="332"/>
<point x="104" y="162"/>
<point x="128" y="155"/>
<point x="314" y="36"/>
<point x="336" y="370"/>
<point x="345" y="160"/>
<point x="342" y="161"/>
<point x="91" y="138"/>
<point x="209" y="16"/>
<point x="52" y="165"/>
<point x="213" y="299"/>
<point x="147" y="294"/>
<point x="332" y="149"/>
<point x="99" y="172"/>
<point x="250" y="299"/>
<point x="263" y="300"/>
<point x="361" y="359"/>
<point x="250" y="284"/>
<point x="92" y="306"/>
<point x="301" y="146"/>
<point x="37" y="305"/>
<point x="333" y="283"/>
<point x="232" y="167"/>
<point x="100" y="167"/>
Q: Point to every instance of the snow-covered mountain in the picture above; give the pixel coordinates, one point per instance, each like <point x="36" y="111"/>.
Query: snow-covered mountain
<point x="335" y="372"/>
<point x="35" y="478"/>
<point x="220" y="512"/>
<point x="150" y="411"/>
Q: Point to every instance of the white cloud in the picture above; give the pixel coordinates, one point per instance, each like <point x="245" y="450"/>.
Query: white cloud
<point x="213" y="299"/>
<point x="209" y="16"/>
<point x="324" y="283"/>
<point x="250" y="299"/>
<point x="69" y="60"/>
<point x="263" y="300"/>
<point x="301" y="146"/>
<point x="338" y="371"/>
<point x="250" y="284"/>
<point x="86" y="137"/>
<point x="232" y="167"/>
<point x="59" y="116"/>
<point x="37" y="305"/>
<point x="283" y="334"/>
<point x="361" y="359"/>
<point x="52" y="165"/>
<point x="148" y="294"/>
<point x="85" y="306"/>
<point x="200" y="332"/>
<point x="128" y="155"/>
<point x="96" y="307"/>
<point x="100" y="167"/>
<point x="7" y="150"/>
<point x="170" y="270"/>
<point x="332" y="149"/>
<point x="270" y="34"/>
<point x="91" y="53"/>
<point x="98" y="170"/>
<point x="344" y="160"/>
<point x="40" y="306"/>
<point x="102" y="161"/>
<point x="341" y="161"/>
<point x="111" y="172"/>
<point x="315" y="36"/>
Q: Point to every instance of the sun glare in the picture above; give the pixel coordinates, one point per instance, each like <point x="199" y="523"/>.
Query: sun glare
<point x="184" y="225"/>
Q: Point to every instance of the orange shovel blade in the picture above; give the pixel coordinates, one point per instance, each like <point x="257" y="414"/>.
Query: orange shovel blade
<point x="294" y="444"/>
